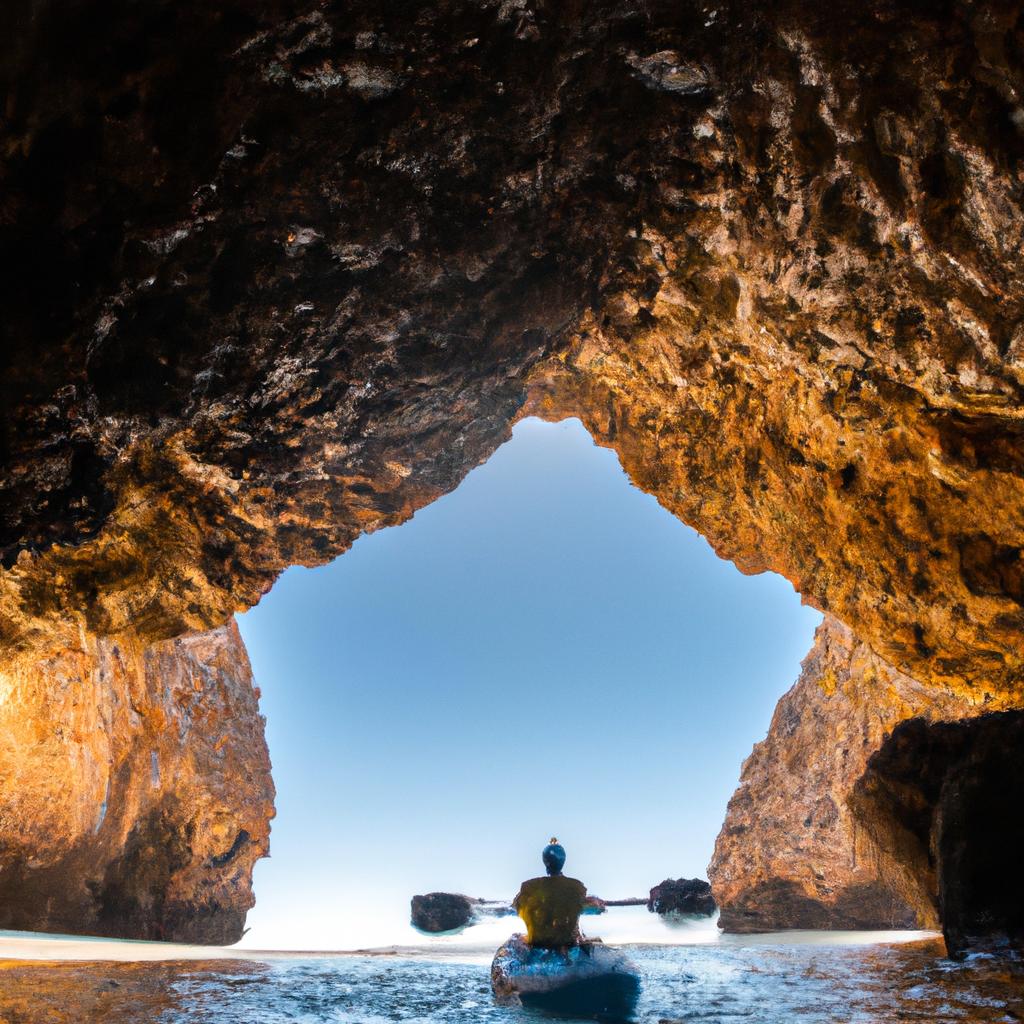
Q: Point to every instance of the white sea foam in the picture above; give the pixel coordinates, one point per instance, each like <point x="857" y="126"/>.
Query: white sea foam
<point x="476" y="944"/>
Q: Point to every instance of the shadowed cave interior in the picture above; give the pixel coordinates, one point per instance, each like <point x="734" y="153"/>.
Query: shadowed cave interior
<point x="945" y="800"/>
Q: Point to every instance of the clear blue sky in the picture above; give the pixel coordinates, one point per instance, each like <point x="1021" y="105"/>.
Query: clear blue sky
<point x="546" y="651"/>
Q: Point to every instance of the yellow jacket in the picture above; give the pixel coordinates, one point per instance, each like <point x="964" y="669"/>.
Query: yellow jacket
<point x="550" y="908"/>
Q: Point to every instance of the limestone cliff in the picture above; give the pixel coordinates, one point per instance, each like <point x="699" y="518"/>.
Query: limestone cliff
<point x="794" y="852"/>
<point x="136" y="792"/>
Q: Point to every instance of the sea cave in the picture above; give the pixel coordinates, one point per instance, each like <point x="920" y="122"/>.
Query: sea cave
<point x="279" y="274"/>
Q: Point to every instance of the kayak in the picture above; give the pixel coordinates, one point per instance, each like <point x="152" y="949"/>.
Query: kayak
<point x="588" y="980"/>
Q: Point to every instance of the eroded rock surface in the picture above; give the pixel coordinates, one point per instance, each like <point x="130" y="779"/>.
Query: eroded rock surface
<point x="136" y="791"/>
<point x="792" y="853"/>
<point x="807" y="353"/>
<point x="282" y="273"/>
<point x="279" y="273"/>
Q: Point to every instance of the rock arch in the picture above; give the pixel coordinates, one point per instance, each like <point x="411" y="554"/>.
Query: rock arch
<point x="281" y="273"/>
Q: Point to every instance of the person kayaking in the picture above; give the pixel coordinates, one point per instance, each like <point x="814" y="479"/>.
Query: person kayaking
<point x="550" y="906"/>
<point x="554" y="968"/>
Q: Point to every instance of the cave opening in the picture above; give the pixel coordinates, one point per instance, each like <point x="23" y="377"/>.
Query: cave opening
<point x="943" y="802"/>
<point x="544" y="651"/>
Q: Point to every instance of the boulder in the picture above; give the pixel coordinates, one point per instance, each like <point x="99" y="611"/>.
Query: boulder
<point x="441" y="911"/>
<point x="682" y="896"/>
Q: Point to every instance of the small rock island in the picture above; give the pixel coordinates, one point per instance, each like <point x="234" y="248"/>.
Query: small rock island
<point x="682" y="896"/>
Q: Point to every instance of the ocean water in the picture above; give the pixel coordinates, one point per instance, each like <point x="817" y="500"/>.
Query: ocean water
<point x="818" y="978"/>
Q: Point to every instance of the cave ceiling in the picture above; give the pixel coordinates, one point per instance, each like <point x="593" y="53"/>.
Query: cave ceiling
<point x="280" y="273"/>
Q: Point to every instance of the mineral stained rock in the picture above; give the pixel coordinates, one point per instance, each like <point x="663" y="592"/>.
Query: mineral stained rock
<point x="943" y="801"/>
<point x="682" y="896"/>
<point x="792" y="852"/>
<point x="279" y="273"/>
<point x="136" y="792"/>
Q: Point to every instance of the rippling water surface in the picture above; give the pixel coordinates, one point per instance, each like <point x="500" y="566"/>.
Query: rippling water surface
<point x="765" y="982"/>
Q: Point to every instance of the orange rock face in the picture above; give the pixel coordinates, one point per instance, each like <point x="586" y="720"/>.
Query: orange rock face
<point x="802" y="361"/>
<point x="795" y="851"/>
<point x="768" y="255"/>
<point x="136" y="791"/>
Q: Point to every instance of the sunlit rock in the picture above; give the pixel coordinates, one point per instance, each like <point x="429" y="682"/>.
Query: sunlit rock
<point x="793" y="852"/>
<point x="135" y="790"/>
<point x="766" y="255"/>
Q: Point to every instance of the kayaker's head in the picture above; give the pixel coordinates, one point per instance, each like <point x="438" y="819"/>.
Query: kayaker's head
<point x="554" y="857"/>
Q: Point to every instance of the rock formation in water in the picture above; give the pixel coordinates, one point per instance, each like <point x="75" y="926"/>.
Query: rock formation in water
<point x="136" y="792"/>
<point x="444" y="911"/>
<point x="795" y="851"/>
<point x="279" y="273"/>
<point x="682" y="896"/>
<point x="441" y="911"/>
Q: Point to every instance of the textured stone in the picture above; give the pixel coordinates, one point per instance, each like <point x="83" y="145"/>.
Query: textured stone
<point x="280" y="273"/>
<point x="682" y="896"/>
<point x="942" y="801"/>
<point x="136" y="792"/>
<point x="294" y="287"/>
<point x="792" y="853"/>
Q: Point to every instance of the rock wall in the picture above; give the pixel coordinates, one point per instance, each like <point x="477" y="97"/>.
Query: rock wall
<point x="808" y="353"/>
<point x="135" y="790"/>
<point x="280" y="273"/>
<point x="795" y="851"/>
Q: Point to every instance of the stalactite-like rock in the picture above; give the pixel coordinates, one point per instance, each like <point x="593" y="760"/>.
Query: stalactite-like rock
<point x="281" y="273"/>
<point x="135" y="791"/>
